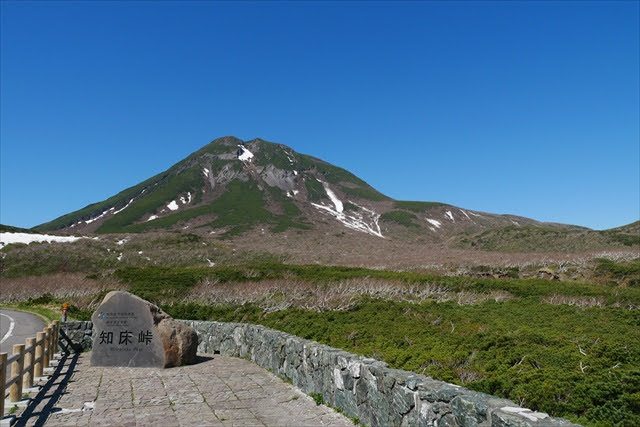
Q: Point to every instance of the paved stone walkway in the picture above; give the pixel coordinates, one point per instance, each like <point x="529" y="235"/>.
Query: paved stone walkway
<point x="217" y="391"/>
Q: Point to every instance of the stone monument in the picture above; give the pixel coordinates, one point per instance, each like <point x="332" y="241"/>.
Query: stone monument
<point x="130" y="331"/>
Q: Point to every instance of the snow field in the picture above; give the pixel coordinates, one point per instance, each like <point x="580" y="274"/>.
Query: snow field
<point x="27" y="238"/>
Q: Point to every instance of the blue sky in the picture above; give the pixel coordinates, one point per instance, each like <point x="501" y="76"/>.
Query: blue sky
<point x="529" y="108"/>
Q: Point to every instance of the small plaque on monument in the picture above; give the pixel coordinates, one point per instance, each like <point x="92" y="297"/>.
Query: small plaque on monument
<point x="125" y="334"/>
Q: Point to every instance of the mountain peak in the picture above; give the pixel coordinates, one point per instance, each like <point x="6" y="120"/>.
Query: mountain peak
<point x="230" y="186"/>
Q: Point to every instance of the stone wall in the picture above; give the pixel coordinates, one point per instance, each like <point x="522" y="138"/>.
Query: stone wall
<point x="75" y="337"/>
<point x="360" y="387"/>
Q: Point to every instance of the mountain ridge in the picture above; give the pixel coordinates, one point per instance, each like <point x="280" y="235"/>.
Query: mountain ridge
<point x="230" y="186"/>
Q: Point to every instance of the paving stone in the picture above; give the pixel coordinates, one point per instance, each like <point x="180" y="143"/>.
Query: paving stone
<point x="235" y="414"/>
<point x="67" y="419"/>
<point x="196" y="414"/>
<point x="218" y="391"/>
<point x="230" y="404"/>
<point x="155" y="416"/>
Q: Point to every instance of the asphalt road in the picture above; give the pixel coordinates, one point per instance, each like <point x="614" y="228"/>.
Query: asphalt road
<point x="15" y="328"/>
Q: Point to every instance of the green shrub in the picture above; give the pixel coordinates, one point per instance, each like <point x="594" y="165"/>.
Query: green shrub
<point x="155" y="198"/>
<point x="400" y="217"/>
<point x="519" y="349"/>
<point x="417" y="206"/>
<point x="315" y="190"/>
<point x="317" y="397"/>
<point x="625" y="272"/>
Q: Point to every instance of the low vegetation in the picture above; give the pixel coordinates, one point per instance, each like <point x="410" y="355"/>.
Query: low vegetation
<point x="619" y="272"/>
<point x="501" y="336"/>
<point x="348" y="182"/>
<point x="117" y="251"/>
<point x="240" y="208"/>
<point x="418" y="207"/>
<point x="547" y="239"/>
<point x="567" y="347"/>
<point x="401" y="217"/>
<point x="117" y="202"/>
<point x="580" y="363"/>
<point x="10" y="229"/>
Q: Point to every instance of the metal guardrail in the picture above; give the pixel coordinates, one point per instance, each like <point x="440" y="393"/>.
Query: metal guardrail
<point x="28" y="361"/>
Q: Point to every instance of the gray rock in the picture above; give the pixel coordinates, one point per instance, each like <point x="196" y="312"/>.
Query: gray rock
<point x="447" y="421"/>
<point x="275" y="177"/>
<point x="130" y="331"/>
<point x="470" y="409"/>
<point x="403" y="400"/>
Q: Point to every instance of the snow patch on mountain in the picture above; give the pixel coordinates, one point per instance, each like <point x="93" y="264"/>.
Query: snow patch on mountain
<point x="364" y="220"/>
<point x="434" y="222"/>
<point x="106" y="212"/>
<point x="465" y="214"/>
<point x="355" y="221"/>
<point x="27" y="238"/>
<point x="449" y="215"/>
<point x="152" y="217"/>
<point x="375" y="217"/>
<point x="173" y="206"/>
<point x="125" y="207"/>
<point x="89" y="221"/>
<point x="244" y="154"/>
<point x="337" y="202"/>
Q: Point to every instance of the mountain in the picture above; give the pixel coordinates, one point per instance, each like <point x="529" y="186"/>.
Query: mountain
<point x="230" y="187"/>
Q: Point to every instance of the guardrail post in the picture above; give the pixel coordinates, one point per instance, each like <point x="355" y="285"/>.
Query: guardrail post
<point x="56" y="335"/>
<point x="3" y="380"/>
<point x="15" y="392"/>
<point x="37" y="369"/>
<point x="28" y="364"/>
<point x="45" y="348"/>
<point x="58" y="326"/>
<point x="50" y="342"/>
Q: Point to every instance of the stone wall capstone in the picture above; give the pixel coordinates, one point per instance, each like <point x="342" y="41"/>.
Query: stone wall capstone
<point x="360" y="387"/>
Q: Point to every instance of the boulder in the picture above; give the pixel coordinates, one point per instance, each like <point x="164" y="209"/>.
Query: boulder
<point x="179" y="340"/>
<point x="130" y="331"/>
